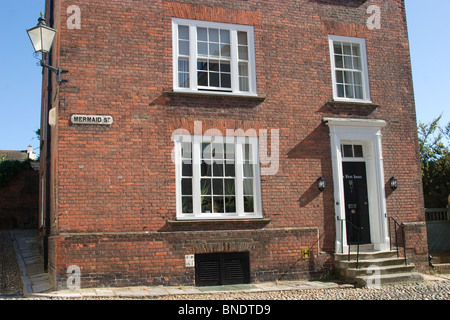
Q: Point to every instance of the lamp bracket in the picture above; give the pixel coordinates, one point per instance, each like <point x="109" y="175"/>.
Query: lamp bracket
<point x="57" y="71"/>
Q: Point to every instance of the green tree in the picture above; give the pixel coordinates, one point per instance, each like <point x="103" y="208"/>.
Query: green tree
<point x="435" y="162"/>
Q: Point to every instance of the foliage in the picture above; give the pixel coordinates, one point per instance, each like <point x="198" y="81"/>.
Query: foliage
<point x="9" y="168"/>
<point x="435" y="162"/>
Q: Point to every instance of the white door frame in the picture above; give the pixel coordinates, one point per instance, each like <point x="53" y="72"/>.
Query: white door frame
<point x="368" y="134"/>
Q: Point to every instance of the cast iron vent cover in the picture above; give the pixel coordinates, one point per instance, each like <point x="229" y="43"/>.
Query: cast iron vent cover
<point x="214" y="269"/>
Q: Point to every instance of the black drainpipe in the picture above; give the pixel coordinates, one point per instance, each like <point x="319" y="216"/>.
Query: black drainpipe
<point x="48" y="157"/>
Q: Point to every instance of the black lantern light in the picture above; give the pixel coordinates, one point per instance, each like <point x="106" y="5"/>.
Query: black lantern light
<point x="321" y="183"/>
<point x="42" y="38"/>
<point x="393" y="182"/>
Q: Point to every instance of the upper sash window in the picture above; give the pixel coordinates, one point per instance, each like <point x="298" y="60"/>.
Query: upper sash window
<point x="213" y="57"/>
<point x="349" y="69"/>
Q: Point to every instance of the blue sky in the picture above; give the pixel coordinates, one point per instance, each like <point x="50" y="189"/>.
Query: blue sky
<point x="20" y="84"/>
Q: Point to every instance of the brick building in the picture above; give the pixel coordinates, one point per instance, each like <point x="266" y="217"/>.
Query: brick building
<point x="191" y="138"/>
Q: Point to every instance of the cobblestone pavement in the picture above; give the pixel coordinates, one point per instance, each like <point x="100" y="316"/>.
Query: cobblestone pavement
<point x="429" y="290"/>
<point x="433" y="288"/>
<point x="10" y="277"/>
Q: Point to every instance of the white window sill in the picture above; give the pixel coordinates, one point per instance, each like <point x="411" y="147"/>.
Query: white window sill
<point x="215" y="94"/>
<point x="349" y="102"/>
<point x="224" y="220"/>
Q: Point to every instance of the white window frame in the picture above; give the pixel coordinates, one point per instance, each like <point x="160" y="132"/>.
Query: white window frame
<point x="193" y="55"/>
<point x="197" y="141"/>
<point x="365" y="74"/>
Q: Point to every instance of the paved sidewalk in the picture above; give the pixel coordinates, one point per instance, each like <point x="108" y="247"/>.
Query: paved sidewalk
<point x="166" y="291"/>
<point x="31" y="265"/>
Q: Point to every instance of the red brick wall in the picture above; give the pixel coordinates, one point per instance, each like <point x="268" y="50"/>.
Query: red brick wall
<point x="120" y="179"/>
<point x="19" y="200"/>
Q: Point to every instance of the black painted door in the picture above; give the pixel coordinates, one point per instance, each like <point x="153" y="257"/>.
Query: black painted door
<point x="356" y="202"/>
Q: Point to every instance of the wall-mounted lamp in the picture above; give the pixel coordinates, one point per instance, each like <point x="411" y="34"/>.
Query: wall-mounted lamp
<point x="321" y="183"/>
<point x="393" y="182"/>
<point x="42" y="37"/>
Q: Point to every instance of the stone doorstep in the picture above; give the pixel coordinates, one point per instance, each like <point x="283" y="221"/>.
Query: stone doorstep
<point x="390" y="268"/>
<point x="369" y="280"/>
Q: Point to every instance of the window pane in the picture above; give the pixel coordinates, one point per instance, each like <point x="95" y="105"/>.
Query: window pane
<point x="217" y="151"/>
<point x="186" y="150"/>
<point x="214" y="49"/>
<point x="247" y="151"/>
<point x="347" y="48"/>
<point x="357" y="63"/>
<point x="202" y="65"/>
<point x="230" y="204"/>
<point x="202" y="34"/>
<point x="248" y="187"/>
<point x="225" y="50"/>
<point x="229" y="169"/>
<point x="202" y="78"/>
<point x="248" y="204"/>
<point x="338" y="61"/>
<point x="243" y="84"/>
<point x="205" y="186"/>
<point x="183" y="80"/>
<point x="183" y="65"/>
<point x="206" y="204"/>
<point x="340" y="91"/>
<point x="217" y="186"/>
<point x="348" y="150"/>
<point x="358" y="149"/>
<point x="339" y="77"/>
<point x="242" y="37"/>
<point x="187" y="206"/>
<point x="213" y="35"/>
<point x="225" y="80"/>
<point x="213" y="65"/>
<point x="186" y="169"/>
<point x="349" y="91"/>
<point x="356" y="50"/>
<point x="357" y="77"/>
<point x="229" y="151"/>
<point x="186" y="187"/>
<point x="229" y="187"/>
<point x="206" y="169"/>
<point x="348" y="77"/>
<point x="348" y="62"/>
<point x="243" y="69"/>
<point x="359" y="92"/>
<point x="206" y="151"/>
<point x="217" y="169"/>
<point x="183" y="32"/>
<point x="248" y="170"/>
<point x="243" y="53"/>
<point x="337" y="47"/>
<point x="214" y="79"/>
<point x="183" y="47"/>
<point x="225" y="36"/>
<point x="218" y="204"/>
<point x="225" y="66"/>
<point x="202" y="48"/>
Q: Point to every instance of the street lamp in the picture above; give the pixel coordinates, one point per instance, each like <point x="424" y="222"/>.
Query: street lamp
<point x="321" y="183"/>
<point x="394" y="183"/>
<point x="42" y="37"/>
